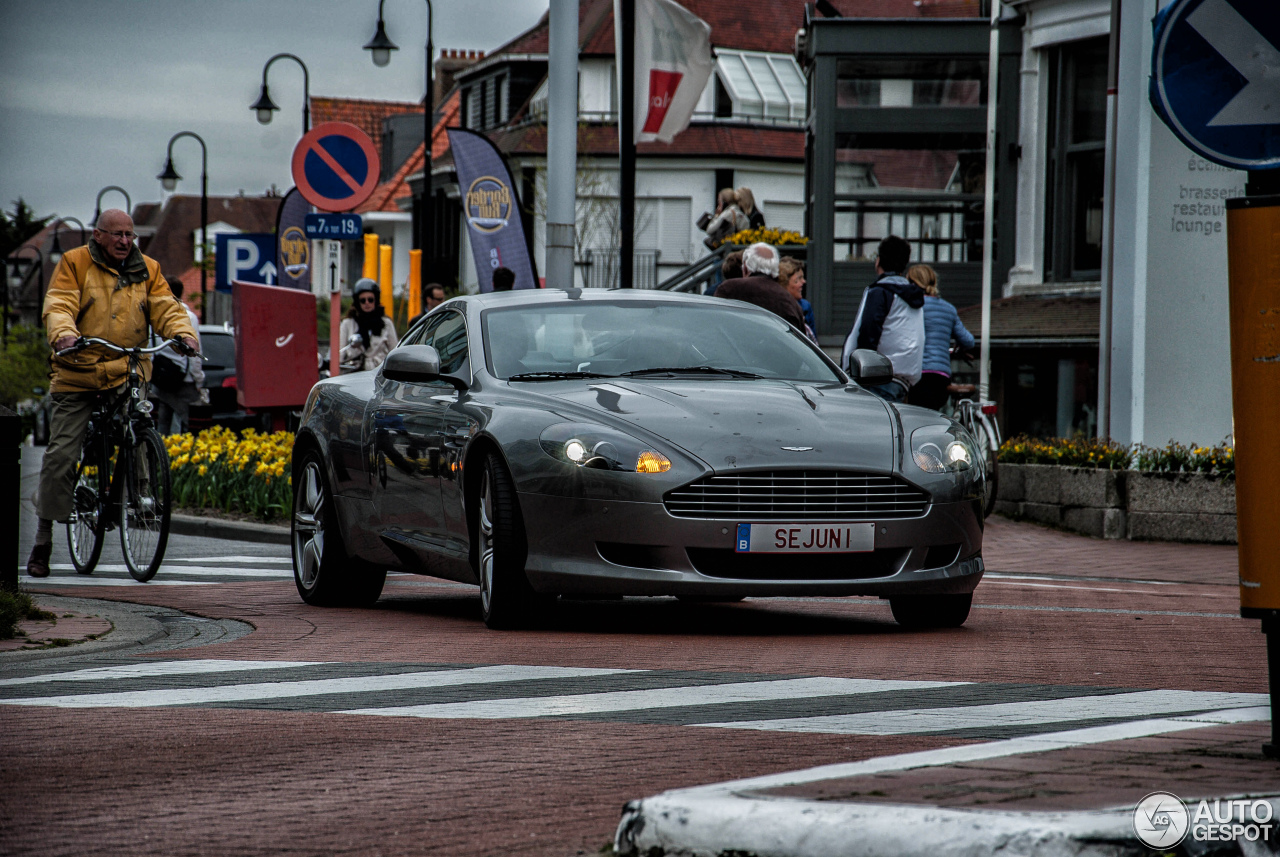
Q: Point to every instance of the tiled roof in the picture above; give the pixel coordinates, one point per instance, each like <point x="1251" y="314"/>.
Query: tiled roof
<point x="1044" y="317"/>
<point x="385" y="196"/>
<point x="765" y="25"/>
<point x="173" y="244"/>
<point x="365" y="114"/>
<point x="705" y="140"/>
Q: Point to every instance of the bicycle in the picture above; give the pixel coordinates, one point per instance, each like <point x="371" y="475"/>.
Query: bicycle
<point x="122" y="477"/>
<point x="977" y="417"/>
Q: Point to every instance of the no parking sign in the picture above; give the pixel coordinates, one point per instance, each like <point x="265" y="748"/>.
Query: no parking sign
<point x="335" y="166"/>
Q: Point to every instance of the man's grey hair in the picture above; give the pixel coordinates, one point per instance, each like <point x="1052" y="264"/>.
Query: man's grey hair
<point x="760" y="258"/>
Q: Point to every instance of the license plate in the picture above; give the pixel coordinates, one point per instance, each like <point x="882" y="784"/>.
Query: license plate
<point x="806" y="538"/>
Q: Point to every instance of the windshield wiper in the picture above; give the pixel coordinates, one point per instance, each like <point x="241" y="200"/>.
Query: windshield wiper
<point x="556" y="376"/>
<point x="691" y="370"/>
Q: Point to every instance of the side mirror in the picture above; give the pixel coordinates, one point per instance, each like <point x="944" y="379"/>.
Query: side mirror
<point x="416" y="364"/>
<point x="870" y="368"/>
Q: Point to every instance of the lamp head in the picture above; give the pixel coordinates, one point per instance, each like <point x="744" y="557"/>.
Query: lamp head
<point x="380" y="46"/>
<point x="264" y="106"/>
<point x="168" y="179"/>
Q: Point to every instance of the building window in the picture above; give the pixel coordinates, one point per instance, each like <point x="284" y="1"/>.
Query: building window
<point x="760" y="85"/>
<point x="1077" y="124"/>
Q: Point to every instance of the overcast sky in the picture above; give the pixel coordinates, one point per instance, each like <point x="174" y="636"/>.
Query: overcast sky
<point x="92" y="90"/>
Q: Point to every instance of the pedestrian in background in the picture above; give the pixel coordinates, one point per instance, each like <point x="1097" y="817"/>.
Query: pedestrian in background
<point x="177" y="380"/>
<point x="730" y="269"/>
<point x="760" y="285"/>
<point x="891" y="321"/>
<point x="434" y="293"/>
<point x="728" y="219"/>
<point x="747" y="203"/>
<point x="368" y="333"/>
<point x="941" y="323"/>
<point x="791" y="276"/>
<point x="503" y="279"/>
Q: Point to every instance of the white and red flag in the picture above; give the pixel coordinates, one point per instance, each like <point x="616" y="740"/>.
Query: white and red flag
<point x="673" y="61"/>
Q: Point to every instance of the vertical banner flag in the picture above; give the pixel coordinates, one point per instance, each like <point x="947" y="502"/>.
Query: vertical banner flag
<point x="495" y="226"/>
<point x="672" y="64"/>
<point x="293" y="250"/>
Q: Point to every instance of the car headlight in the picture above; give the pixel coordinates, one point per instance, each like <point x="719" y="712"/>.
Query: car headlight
<point x="942" y="449"/>
<point x="601" y="448"/>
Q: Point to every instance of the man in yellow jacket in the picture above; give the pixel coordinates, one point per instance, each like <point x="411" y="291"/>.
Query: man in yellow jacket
<point x="106" y="289"/>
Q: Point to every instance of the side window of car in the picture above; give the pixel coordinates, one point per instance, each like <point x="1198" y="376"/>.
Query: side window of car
<point x="450" y="341"/>
<point x="421" y="335"/>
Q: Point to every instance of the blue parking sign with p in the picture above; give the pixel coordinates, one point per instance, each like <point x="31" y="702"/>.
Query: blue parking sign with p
<point x="249" y="257"/>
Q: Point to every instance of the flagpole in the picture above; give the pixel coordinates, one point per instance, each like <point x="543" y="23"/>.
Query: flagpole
<point x="988" y="203"/>
<point x="627" y="143"/>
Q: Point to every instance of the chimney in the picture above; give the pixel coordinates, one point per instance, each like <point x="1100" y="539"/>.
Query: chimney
<point x="448" y="64"/>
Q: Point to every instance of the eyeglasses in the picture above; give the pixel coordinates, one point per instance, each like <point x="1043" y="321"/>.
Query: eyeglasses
<point x="127" y="236"/>
<point x="369" y="300"/>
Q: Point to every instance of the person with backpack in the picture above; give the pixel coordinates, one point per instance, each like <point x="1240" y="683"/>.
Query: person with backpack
<point x="891" y="321"/>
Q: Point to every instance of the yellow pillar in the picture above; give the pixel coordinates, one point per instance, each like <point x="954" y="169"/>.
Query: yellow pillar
<point x="415" y="282"/>
<point x="384" y="278"/>
<point x="370" y="256"/>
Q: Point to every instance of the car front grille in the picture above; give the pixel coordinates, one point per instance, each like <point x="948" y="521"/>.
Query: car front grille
<point x="798" y="495"/>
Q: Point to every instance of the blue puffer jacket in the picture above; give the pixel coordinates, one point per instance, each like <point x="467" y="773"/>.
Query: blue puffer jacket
<point x="941" y="322"/>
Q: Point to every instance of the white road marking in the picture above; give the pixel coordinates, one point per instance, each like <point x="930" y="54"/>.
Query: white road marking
<point x="1064" y="586"/>
<point x="999" y="575"/>
<point x="160" y="668"/>
<point x="637" y="700"/>
<point x="315" y="687"/>
<point x="989" y="750"/>
<point x="273" y="560"/>
<point x="923" y="720"/>
<point x="194" y="570"/>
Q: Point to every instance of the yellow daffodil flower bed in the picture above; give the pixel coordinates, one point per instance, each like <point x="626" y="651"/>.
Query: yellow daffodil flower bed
<point x="219" y="469"/>
<point x="1217" y="461"/>
<point x="776" y="237"/>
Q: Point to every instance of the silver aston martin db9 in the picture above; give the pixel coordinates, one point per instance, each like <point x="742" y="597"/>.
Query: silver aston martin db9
<point x="606" y="443"/>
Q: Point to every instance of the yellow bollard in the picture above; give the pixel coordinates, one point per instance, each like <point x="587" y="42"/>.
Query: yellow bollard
<point x="384" y="279"/>
<point x="415" y="283"/>
<point x="1253" y="283"/>
<point x="370" y="256"/>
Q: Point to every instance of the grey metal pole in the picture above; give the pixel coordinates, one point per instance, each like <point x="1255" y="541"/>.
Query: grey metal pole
<point x="627" y="143"/>
<point x="562" y="141"/>
<point x="989" y="202"/>
<point x="11" y="485"/>
<point x="1108" y="231"/>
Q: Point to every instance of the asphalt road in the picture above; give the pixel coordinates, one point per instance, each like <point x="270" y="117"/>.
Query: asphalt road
<point x="411" y="728"/>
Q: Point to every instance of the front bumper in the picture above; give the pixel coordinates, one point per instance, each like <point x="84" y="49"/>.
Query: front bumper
<point x="596" y="547"/>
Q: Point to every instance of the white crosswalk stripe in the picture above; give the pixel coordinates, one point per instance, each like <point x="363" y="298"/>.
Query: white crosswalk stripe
<point x="657" y="696"/>
<point x="190" y="570"/>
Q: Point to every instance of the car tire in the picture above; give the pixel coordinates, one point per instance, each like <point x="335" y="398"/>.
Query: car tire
<point x="922" y="612"/>
<point x="324" y="574"/>
<point x="506" y="598"/>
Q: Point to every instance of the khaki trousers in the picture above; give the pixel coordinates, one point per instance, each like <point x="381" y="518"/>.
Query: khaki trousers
<point x="67" y="426"/>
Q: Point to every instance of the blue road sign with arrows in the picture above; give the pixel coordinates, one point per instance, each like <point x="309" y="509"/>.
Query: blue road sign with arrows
<point x="247" y="256"/>
<point x="1214" y="81"/>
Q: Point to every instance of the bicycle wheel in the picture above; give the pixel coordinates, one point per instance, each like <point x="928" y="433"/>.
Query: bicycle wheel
<point x="985" y="437"/>
<point x="87" y="524"/>
<point x="146" y="492"/>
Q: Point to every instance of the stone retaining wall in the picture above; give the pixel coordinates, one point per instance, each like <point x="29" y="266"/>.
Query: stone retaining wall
<point x="1120" y="504"/>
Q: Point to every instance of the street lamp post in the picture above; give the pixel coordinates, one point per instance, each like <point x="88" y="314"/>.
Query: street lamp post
<point x="97" y="205"/>
<point x="265" y="107"/>
<point x="169" y="179"/>
<point x="55" y="252"/>
<point x="5" y="309"/>
<point x="380" y="48"/>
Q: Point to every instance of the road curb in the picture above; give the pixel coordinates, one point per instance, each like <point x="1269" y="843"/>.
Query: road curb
<point x="685" y="825"/>
<point x="217" y="528"/>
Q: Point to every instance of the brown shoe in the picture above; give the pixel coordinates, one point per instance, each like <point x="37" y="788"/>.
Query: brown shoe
<point x="38" y="564"/>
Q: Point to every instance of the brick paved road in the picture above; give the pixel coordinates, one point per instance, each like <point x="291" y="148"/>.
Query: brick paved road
<point x="529" y="742"/>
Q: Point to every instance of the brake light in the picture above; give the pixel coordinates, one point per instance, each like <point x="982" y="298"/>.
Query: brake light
<point x="229" y="381"/>
<point x="987" y="407"/>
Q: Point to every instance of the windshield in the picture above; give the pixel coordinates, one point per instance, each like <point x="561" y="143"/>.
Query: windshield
<point x="599" y="339"/>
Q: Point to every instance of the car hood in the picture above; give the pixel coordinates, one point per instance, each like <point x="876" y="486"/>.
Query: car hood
<point x="733" y="424"/>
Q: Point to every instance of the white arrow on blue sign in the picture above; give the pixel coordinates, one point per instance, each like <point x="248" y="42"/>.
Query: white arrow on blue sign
<point x="246" y="256"/>
<point x="1214" y="79"/>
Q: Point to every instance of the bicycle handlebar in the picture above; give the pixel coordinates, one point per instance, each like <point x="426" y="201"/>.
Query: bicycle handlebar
<point x="85" y="341"/>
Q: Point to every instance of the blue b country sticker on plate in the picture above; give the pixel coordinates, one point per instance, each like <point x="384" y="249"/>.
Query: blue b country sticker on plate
<point x="832" y="537"/>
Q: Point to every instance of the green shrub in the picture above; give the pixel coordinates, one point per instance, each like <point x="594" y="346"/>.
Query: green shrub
<point x="24" y="364"/>
<point x="1217" y="461"/>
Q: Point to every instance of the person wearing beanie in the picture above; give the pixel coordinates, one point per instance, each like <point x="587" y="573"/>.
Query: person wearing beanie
<point x="366" y="331"/>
